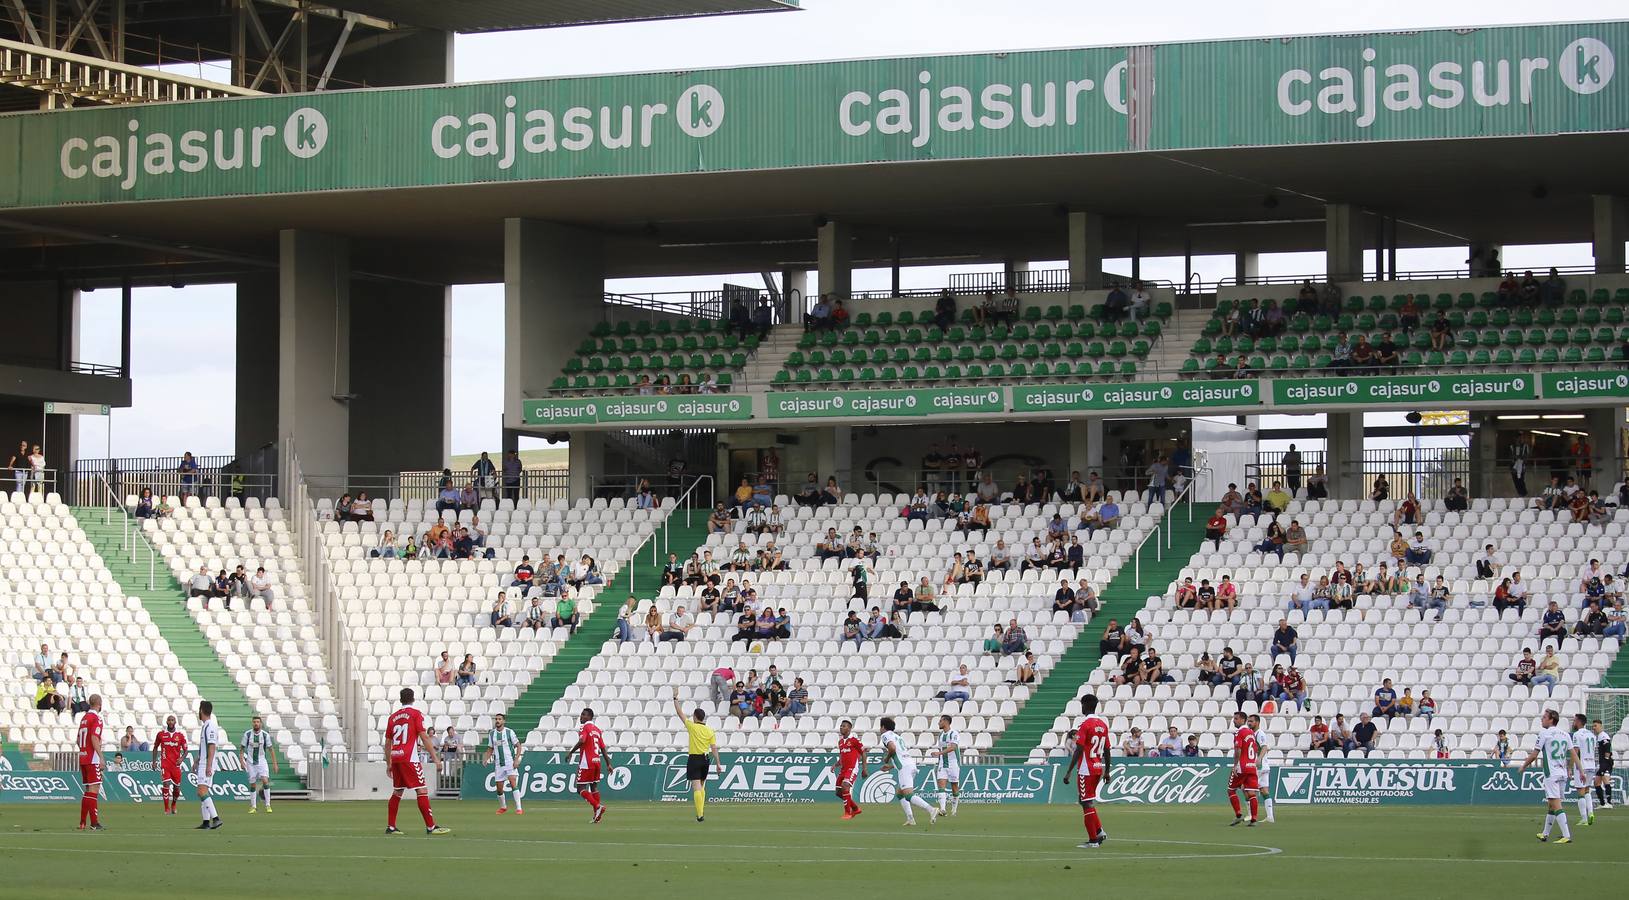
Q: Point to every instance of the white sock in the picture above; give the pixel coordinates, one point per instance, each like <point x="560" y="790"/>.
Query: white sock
<point x="944" y="798"/>
<point x="905" y="804"/>
<point x="517" y="798"/>
<point x="1561" y="820"/>
<point x="1583" y="809"/>
<point x="254" y="798"/>
<point x="919" y="802"/>
<point x="1549" y="817"/>
<point x="206" y="807"/>
<point x="267" y="791"/>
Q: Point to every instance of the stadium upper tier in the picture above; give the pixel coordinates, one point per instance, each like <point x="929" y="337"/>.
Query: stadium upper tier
<point x="1464" y="661"/>
<point x="623" y="356"/>
<point x="1483" y="327"/>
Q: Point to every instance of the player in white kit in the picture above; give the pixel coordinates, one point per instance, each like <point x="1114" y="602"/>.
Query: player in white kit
<point x="259" y="756"/>
<point x="948" y="765"/>
<point x="1264" y="769"/>
<point x="1583" y="741"/>
<point x="1560" y="759"/>
<point x="210" y="740"/>
<point x="896" y="755"/>
<point x="503" y="752"/>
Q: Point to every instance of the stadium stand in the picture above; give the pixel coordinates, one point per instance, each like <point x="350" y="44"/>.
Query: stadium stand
<point x="615" y="357"/>
<point x="273" y="656"/>
<point x="400" y="614"/>
<point x="1464" y="661"/>
<point x="1580" y="326"/>
<point x="898" y="677"/>
<point x="1052" y="336"/>
<point x="55" y="590"/>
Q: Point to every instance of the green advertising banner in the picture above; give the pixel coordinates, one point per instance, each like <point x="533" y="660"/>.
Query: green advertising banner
<point x="1142" y="395"/>
<point x="617" y="409"/>
<point x="1403" y="390"/>
<point x="118" y="786"/>
<point x="1422" y="85"/>
<point x="1576" y="385"/>
<point x="885" y="403"/>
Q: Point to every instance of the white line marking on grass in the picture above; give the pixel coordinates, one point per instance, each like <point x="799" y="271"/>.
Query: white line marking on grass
<point x="1466" y="859"/>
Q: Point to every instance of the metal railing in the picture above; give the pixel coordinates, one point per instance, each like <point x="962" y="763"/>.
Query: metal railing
<point x="333" y="639"/>
<point x="75" y="366"/>
<point x="1035" y="281"/>
<point x="215" y="476"/>
<point x="132" y="541"/>
<point x="29" y="481"/>
<point x="535" y="484"/>
<point x="1320" y="278"/>
<point x="1183" y="497"/>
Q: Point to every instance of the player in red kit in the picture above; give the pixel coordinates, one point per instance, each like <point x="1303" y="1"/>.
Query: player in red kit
<point x="1090" y="764"/>
<point x="591" y="742"/>
<point x="169" y="749"/>
<point x="404" y="735"/>
<point x="850" y="756"/>
<point x="90" y="762"/>
<point x="1245" y="757"/>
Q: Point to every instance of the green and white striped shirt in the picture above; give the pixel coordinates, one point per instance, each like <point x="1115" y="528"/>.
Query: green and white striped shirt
<point x="504" y="744"/>
<point x="255" y="745"/>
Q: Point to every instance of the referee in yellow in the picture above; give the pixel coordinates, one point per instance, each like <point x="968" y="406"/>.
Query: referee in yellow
<point x="701" y="745"/>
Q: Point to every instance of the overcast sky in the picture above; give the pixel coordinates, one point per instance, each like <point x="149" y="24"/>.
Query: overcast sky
<point x="183" y="344"/>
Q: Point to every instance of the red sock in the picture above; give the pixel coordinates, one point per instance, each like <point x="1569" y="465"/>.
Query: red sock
<point x="597" y="801"/>
<point x="1233" y="798"/>
<point x="1094" y="825"/>
<point x="1252" y="807"/>
<point x="395" y="804"/>
<point x="84" y="808"/>
<point x="424" y="810"/>
<point x="589" y="796"/>
<point x="95" y="819"/>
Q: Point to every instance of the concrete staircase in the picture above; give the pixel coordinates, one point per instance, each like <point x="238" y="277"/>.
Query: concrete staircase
<point x="1174" y="346"/>
<point x="770" y="358"/>
<point x="1120" y="599"/>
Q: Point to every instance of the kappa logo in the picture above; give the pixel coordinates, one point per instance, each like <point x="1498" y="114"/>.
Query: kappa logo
<point x="1586" y="66"/>
<point x="619" y="779"/>
<point x="305" y="133"/>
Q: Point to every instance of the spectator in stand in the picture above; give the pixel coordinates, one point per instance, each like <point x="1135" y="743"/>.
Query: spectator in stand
<point x="1591" y="622"/>
<point x="1277" y="499"/>
<point x="1407" y="512"/>
<point x="1419" y="552"/>
<point x="260" y="586"/>
<point x="1289" y="686"/>
<point x="1131" y="668"/>
<point x="513" y="472"/>
<point x="201" y="585"/>
<point x="1252" y="687"/>
<point x="144" y="504"/>
<point x="1426" y="708"/>
<point x="1285" y="640"/>
<point x="1364" y="736"/>
<point x="537" y="616"/>
<point x="387" y="548"/>
<point x="1553" y="625"/>
<point x="1205" y="670"/>
<point x="1318" y="737"/>
<point x="1525" y="668"/>
<point x="501" y="616"/>
<point x="447" y="499"/>
<point x="565" y="613"/>
<point x="1154" y="668"/>
<point x="1617" y="621"/>
<point x="42" y="668"/>
<point x="1488" y="565"/>
<point x="223" y="588"/>
<point x="1216" y="527"/>
<point x="797" y="699"/>
<point x="1133" y="744"/>
<point x="1295" y="539"/>
<point x="719" y="521"/>
<point x="188" y="470"/>
<point x="1135" y="635"/>
<point x="1113" y="638"/>
<point x="678" y="626"/>
<point x="819" y="315"/>
<point x="839" y="315"/>
<point x="1229" y="667"/>
<point x="1385" y="700"/>
<point x="525" y="572"/>
<point x="961" y="685"/>
<point x="466" y="673"/>
<point x="853" y="629"/>
<point x="79" y="699"/>
<point x="1381" y="491"/>
<point x="1442" y="333"/>
<point x="362" y="508"/>
<point x="1227" y="594"/>
<point x="445" y="669"/>
<point x="1458" y="498"/>
<point x="1405" y="704"/>
<point x="1549" y="670"/>
<point x="1014" y="639"/>
<point x="1273" y="540"/>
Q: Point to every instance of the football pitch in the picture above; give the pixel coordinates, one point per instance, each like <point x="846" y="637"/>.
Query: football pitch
<point x="798" y="851"/>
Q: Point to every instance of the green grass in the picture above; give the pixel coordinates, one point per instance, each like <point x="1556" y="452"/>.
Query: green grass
<point x="791" y="852"/>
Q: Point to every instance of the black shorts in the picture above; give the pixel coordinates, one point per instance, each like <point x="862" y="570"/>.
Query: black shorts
<point x="696" y="767"/>
<point x="1604" y="769"/>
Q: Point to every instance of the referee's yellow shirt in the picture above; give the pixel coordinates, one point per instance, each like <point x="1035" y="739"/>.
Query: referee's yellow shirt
<point x="701" y="737"/>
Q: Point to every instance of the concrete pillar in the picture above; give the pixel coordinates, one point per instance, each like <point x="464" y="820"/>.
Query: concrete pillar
<point x="1086" y="251"/>
<point x="836" y="259"/>
<point x="1484" y="457"/>
<point x="390" y="317"/>
<point x="1345" y="457"/>
<point x="1611" y="230"/>
<point x="795" y="287"/>
<point x="314" y="370"/>
<point x="1085" y="446"/>
<point x="1013" y="272"/>
<point x="259" y="333"/>
<point x="1246" y="267"/>
<point x="1343" y="241"/>
<point x="586" y="458"/>
<point x="1605" y="427"/>
<point x="553" y="293"/>
<point x="834" y="455"/>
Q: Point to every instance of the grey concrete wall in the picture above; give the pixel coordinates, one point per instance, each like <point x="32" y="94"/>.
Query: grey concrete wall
<point x="314" y="314"/>
<point x="400" y="361"/>
<point x="38" y="316"/>
<point x="554" y="282"/>
<point x="258" y="341"/>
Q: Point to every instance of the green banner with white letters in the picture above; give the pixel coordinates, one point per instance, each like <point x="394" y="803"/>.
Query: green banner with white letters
<point x="1138" y="395"/>
<point x="885" y="403"/>
<point x="610" y="410"/>
<point x="1404" y="390"/>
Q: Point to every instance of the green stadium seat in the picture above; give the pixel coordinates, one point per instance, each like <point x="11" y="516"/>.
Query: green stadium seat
<point x="1573" y="355"/>
<point x="1040" y="370"/>
<point x="943" y="354"/>
<point x="600" y="329"/>
<point x="1117" y="349"/>
<point x="997" y="370"/>
<point x="868" y="374"/>
<point x="1190" y="365"/>
<point x="1458" y="358"/>
<point x="1077" y="313"/>
<point x="1066" y="330"/>
<point x="932" y="373"/>
<point x="1054" y="313"/>
<point x="863" y="320"/>
<point x="581" y="383"/>
<point x="1590" y="316"/>
<point x="871" y="337"/>
<point x="558" y="384"/>
<point x="1105" y="369"/>
<point x="1300" y="361"/>
<point x="1526" y="356"/>
<point x="1032" y="314"/>
<point x="1083" y="369"/>
<point x="1504" y="357"/>
<point x="1549" y="356"/>
<point x="1095" y="349"/>
<point x="1043" y="332"/>
<point x="1595" y="355"/>
<point x="805" y="377"/>
<point x="781" y="377"/>
<point x="1435" y="358"/>
<point x="907" y="317"/>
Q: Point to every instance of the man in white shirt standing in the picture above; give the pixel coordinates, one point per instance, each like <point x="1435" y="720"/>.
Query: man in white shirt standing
<point x="1554" y="748"/>
<point x="259" y="761"/>
<point x="210" y="739"/>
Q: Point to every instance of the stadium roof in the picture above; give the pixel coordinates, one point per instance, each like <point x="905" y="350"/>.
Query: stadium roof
<point x="468" y="16"/>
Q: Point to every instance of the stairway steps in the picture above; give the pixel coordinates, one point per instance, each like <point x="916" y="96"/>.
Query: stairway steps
<point x="166" y="605"/>
<point x="562" y="670"/>
<point x="1120" y="599"/>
